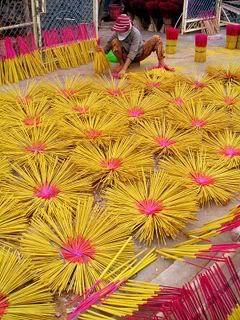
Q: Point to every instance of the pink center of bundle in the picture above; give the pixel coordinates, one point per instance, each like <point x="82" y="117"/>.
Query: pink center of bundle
<point x="25" y="99"/>
<point x="203" y="180"/>
<point x="198" y="123"/>
<point x="135" y="112"/>
<point x="153" y="84"/>
<point x="199" y="85"/>
<point x="46" y="191"/>
<point x="179" y="102"/>
<point x="36" y="147"/>
<point x="68" y="92"/>
<point x="164" y="142"/>
<point x="114" y="92"/>
<point x="78" y="250"/>
<point x="229" y="101"/>
<point x="230" y="152"/>
<point x="149" y="207"/>
<point x="93" y="134"/>
<point x="3" y="305"/>
<point x="31" y="121"/>
<point x="111" y="164"/>
<point x="79" y="109"/>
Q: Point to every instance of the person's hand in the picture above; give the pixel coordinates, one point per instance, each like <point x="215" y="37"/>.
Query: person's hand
<point x="166" y="67"/>
<point x="121" y="73"/>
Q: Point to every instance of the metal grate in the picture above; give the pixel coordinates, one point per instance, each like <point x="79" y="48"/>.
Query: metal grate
<point x="201" y="9"/>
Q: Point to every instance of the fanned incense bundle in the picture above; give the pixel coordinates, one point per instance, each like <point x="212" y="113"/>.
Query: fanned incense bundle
<point x="29" y="114"/>
<point x="98" y="128"/>
<point x="231" y="36"/>
<point x="47" y="184"/>
<point x="198" y="118"/>
<point x="70" y="88"/>
<point x="164" y="138"/>
<point x="218" y="226"/>
<point x="225" y="147"/>
<point x="81" y="106"/>
<point x="180" y="96"/>
<point x="100" y="62"/>
<point x="71" y="248"/>
<point x="210" y="179"/>
<point x="224" y="73"/>
<point x="200" y="47"/>
<point x="137" y="106"/>
<point x="153" y="207"/>
<point x="198" y="82"/>
<point x="119" y="161"/>
<point x="22" y="144"/>
<point x="110" y="88"/>
<point x="226" y="97"/>
<point x="31" y="93"/>
<point x="12" y="222"/>
<point x="172" y="37"/>
<point x="20" y="297"/>
<point x="4" y="169"/>
<point x="151" y="79"/>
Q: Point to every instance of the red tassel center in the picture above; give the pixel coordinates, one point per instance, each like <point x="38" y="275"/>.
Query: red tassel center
<point x="230" y="152"/>
<point x="114" y="92"/>
<point x="179" y="102"/>
<point x="164" y="142"/>
<point x="47" y="191"/>
<point x="68" y="92"/>
<point x="203" y="180"/>
<point x="199" y="85"/>
<point x="93" y="134"/>
<point x="198" y="123"/>
<point x="153" y="84"/>
<point x="31" y="121"/>
<point x="3" y="305"/>
<point x="136" y="112"/>
<point x="78" y="250"/>
<point x="36" y="147"/>
<point x="149" y="207"/>
<point x="79" y="109"/>
<point x="229" y="101"/>
<point x="111" y="164"/>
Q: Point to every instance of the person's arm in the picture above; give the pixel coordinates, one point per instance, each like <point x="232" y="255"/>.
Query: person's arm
<point x="108" y="46"/>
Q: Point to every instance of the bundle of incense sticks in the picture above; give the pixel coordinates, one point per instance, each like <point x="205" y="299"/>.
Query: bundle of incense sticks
<point x="232" y="31"/>
<point x="13" y="71"/>
<point x="238" y="42"/>
<point x="172" y="37"/>
<point x="200" y="47"/>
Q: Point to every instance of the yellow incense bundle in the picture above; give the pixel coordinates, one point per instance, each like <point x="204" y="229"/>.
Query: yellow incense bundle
<point x="110" y="88"/>
<point x="21" y="144"/>
<point x="46" y="183"/>
<point x="97" y="128"/>
<point x="152" y="208"/>
<point x="198" y="118"/>
<point x="224" y="73"/>
<point x="210" y="179"/>
<point x="71" y="248"/>
<point x="221" y="96"/>
<point x="225" y="147"/>
<point x="121" y="160"/>
<point x="21" y="298"/>
<point x="100" y="63"/>
<point x="137" y="106"/>
<point x="162" y="137"/>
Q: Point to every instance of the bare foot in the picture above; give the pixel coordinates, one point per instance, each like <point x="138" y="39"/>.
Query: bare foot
<point x="117" y="69"/>
<point x="166" y="67"/>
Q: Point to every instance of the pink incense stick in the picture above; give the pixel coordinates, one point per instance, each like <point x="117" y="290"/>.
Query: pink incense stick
<point x="23" y="46"/>
<point x="10" y="52"/>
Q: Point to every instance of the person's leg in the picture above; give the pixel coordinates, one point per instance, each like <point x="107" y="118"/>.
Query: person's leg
<point x="118" y="52"/>
<point x="154" y="45"/>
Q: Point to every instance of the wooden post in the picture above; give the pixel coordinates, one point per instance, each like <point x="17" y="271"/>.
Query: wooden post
<point x="184" y="16"/>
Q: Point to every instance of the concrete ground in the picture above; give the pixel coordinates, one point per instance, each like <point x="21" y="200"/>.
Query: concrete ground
<point x="163" y="271"/>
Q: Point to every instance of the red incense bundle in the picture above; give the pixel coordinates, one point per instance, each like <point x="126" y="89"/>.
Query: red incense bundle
<point x="232" y="31"/>
<point x="201" y="47"/>
<point x="172" y="37"/>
